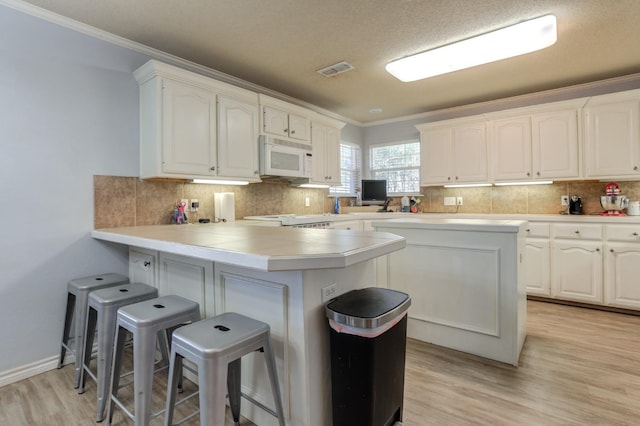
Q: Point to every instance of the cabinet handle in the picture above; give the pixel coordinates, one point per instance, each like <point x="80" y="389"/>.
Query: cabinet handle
<point x="577" y="232"/>
<point x="286" y="130"/>
<point x="538" y="173"/>
<point x="448" y="177"/>
<point x="597" y="249"/>
<point x="528" y="174"/>
<point x="293" y="132"/>
<point x="635" y="234"/>
<point x="456" y="177"/>
<point x="635" y="168"/>
<point x="213" y="168"/>
<point x="611" y="250"/>
<point x="528" y="230"/>
<point x="147" y="263"/>
<point x="255" y="172"/>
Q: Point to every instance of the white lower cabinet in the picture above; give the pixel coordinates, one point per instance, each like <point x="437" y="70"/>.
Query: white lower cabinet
<point x="622" y="266"/>
<point x="576" y="262"/>
<point x="143" y="266"/>
<point x="537" y="259"/>
<point x="189" y="277"/>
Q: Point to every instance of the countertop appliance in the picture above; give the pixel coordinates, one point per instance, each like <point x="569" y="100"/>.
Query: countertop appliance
<point x="613" y="202"/>
<point x="319" y="221"/>
<point x="283" y="158"/>
<point x="575" y="205"/>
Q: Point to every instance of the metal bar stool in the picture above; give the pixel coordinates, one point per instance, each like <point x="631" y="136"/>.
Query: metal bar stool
<point x="216" y="347"/>
<point x="103" y="312"/>
<point x="77" y="303"/>
<point x="144" y="320"/>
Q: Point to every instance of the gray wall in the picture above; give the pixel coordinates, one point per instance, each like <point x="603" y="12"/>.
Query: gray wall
<point x="68" y="110"/>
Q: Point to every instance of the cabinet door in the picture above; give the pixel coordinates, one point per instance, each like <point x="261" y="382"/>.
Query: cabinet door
<point x="470" y="153"/>
<point x="435" y="156"/>
<point x="190" y="278"/>
<point x="275" y="121"/>
<point x="299" y="127"/>
<point x="512" y="149"/>
<point x="621" y="272"/>
<point x="325" y="142"/>
<point x="555" y="144"/>
<point x="237" y="138"/>
<point x="143" y="265"/>
<point x="612" y="139"/>
<point x="189" y="129"/>
<point x="577" y="271"/>
<point x="536" y="267"/>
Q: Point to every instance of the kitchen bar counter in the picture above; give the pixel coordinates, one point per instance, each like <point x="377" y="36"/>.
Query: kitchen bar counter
<point x="258" y="247"/>
<point x="279" y="275"/>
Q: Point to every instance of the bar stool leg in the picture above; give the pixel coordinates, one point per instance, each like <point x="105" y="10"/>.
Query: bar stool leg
<point x="273" y="378"/>
<point x="212" y="380"/>
<point x="71" y="305"/>
<point x="144" y="348"/>
<point x="175" y="370"/>
<point x="117" y="367"/>
<point x="92" y="319"/>
<point x="105" y="362"/>
<point x="234" y="373"/>
<point x="82" y="301"/>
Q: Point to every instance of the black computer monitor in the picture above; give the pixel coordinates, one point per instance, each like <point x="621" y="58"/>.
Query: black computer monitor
<point x="374" y="192"/>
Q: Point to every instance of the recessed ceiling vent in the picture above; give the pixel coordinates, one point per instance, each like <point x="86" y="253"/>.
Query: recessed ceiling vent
<point x="336" y="69"/>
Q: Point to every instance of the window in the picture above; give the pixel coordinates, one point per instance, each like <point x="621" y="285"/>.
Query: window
<point x="399" y="164"/>
<point x="350" y="166"/>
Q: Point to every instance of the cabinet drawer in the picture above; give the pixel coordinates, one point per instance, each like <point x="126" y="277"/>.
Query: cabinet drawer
<point x="577" y="231"/>
<point x="630" y="233"/>
<point x="537" y="230"/>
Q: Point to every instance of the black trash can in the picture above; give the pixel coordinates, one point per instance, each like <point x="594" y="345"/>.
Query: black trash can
<point x="368" y="330"/>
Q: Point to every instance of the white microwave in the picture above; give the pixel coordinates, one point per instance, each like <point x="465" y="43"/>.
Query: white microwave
<point x="279" y="157"/>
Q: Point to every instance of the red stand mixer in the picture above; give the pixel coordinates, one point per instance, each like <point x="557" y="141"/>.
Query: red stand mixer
<point x="613" y="203"/>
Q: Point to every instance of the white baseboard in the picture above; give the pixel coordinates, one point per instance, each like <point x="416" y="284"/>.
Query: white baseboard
<point x="33" y="369"/>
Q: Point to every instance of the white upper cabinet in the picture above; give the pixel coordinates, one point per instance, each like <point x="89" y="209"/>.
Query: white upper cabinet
<point x="325" y="142"/>
<point x="453" y="152"/>
<point x="536" y="146"/>
<point x="192" y="126"/>
<point x="285" y="120"/>
<point x="612" y="136"/>
<point x="188" y="129"/>
<point x="237" y="138"/>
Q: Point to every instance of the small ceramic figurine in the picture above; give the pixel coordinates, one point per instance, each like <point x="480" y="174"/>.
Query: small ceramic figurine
<point x="179" y="214"/>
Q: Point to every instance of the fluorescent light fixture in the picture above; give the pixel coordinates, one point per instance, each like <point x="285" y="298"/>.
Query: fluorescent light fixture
<point x="536" y="182"/>
<point x="221" y="182"/>
<point x="518" y="39"/>
<point x="312" y="185"/>
<point x="467" y="185"/>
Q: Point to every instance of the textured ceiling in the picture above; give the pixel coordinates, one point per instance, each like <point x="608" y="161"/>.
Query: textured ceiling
<point x="279" y="44"/>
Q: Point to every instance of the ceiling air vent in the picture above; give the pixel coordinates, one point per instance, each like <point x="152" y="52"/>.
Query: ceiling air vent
<point x="336" y="69"/>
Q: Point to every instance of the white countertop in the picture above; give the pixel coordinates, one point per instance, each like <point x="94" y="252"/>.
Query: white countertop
<point x="528" y="217"/>
<point x="259" y="247"/>
<point x="456" y="224"/>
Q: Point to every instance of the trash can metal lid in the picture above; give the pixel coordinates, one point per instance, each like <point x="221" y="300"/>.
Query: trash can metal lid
<point x="368" y="308"/>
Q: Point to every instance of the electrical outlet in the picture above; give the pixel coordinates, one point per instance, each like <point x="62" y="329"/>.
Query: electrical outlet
<point x="329" y="292"/>
<point x="194" y="205"/>
<point x="449" y="201"/>
<point x="459" y="201"/>
<point x="307" y="202"/>
<point x="564" y="200"/>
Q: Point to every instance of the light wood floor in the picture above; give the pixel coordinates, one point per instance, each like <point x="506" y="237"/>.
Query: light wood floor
<point x="578" y="367"/>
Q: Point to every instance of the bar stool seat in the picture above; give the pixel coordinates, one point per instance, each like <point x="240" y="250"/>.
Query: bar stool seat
<point x="78" y="291"/>
<point x="144" y="320"/>
<point x="216" y="347"/>
<point x="103" y="312"/>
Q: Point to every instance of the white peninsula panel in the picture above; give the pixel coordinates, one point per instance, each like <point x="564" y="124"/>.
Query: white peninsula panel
<point x="465" y="280"/>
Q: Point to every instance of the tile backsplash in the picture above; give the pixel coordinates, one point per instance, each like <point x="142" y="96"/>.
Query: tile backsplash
<point x="129" y="201"/>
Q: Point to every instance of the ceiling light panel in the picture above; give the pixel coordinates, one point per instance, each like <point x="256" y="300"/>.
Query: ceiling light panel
<point x="336" y="69"/>
<point x="525" y="37"/>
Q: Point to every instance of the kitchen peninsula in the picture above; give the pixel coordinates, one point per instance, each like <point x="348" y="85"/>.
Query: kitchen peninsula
<point x="279" y="275"/>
